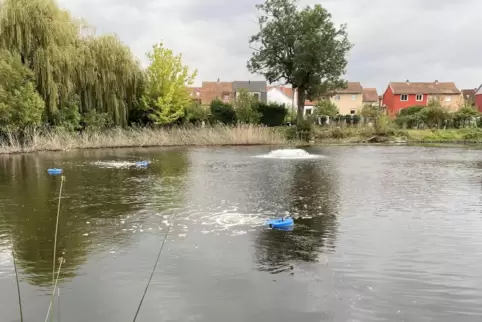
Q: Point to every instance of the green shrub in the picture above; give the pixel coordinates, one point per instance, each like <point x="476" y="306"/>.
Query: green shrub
<point x="68" y="117"/>
<point x="95" y="121"/>
<point x="20" y="104"/>
<point x="245" y="107"/>
<point x="222" y="112"/>
<point x="195" y="114"/>
<point x="272" y="114"/>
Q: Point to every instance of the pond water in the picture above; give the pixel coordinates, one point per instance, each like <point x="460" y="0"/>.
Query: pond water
<point x="381" y="234"/>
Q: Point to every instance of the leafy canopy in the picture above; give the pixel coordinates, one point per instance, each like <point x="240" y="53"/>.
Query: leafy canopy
<point x="71" y="66"/>
<point x="326" y="108"/>
<point x="301" y="47"/>
<point x="20" y="104"/>
<point x="245" y="105"/>
<point x="166" y="80"/>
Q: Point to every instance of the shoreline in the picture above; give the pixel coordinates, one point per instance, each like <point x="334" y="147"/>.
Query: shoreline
<point x="224" y="136"/>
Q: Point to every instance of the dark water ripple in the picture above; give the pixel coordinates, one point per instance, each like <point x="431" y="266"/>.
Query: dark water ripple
<point x="382" y="234"/>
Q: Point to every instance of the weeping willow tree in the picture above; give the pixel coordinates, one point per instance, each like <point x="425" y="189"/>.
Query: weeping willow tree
<point x="68" y="61"/>
<point x="106" y="76"/>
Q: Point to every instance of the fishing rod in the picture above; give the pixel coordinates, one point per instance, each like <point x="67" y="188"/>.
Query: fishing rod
<point x="157" y="260"/>
<point x="154" y="268"/>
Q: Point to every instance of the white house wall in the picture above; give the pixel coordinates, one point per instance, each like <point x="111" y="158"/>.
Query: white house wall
<point x="278" y="97"/>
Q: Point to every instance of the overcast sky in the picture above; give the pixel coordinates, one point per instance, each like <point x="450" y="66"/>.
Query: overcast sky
<point x="419" y="40"/>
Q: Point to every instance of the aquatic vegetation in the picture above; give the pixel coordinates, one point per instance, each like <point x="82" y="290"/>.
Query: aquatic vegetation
<point x="58" y="140"/>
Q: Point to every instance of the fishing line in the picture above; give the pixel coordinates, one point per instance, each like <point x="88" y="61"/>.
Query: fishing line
<point x="155" y="266"/>
<point x="157" y="259"/>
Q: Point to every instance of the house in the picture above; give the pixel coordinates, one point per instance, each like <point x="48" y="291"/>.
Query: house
<point x="348" y="100"/>
<point x="216" y="90"/>
<point x="400" y="95"/>
<point x="469" y="96"/>
<point x="289" y="97"/>
<point x="370" y="97"/>
<point x="256" y="88"/>
<point x="281" y="95"/>
<point x="478" y="98"/>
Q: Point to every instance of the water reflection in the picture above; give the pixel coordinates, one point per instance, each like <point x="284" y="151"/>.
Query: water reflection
<point x="96" y="205"/>
<point x="313" y="200"/>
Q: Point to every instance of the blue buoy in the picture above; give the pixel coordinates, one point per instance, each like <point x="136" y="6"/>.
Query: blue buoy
<point x="142" y="163"/>
<point x="281" y="223"/>
<point x="54" y="171"/>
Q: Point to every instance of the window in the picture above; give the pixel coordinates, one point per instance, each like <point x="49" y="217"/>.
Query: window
<point x="353" y="97"/>
<point x="308" y="111"/>
<point x="256" y="96"/>
<point x="404" y="97"/>
<point x="352" y="111"/>
<point x="226" y="97"/>
<point x="448" y="98"/>
<point x="419" y="97"/>
<point x="337" y="97"/>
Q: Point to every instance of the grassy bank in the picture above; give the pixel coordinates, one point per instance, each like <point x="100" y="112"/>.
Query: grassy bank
<point x="56" y="140"/>
<point x="363" y="134"/>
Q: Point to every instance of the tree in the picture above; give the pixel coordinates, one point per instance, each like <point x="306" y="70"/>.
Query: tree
<point x="222" y="112"/>
<point x="166" y="95"/>
<point x="465" y="115"/>
<point x="71" y="65"/>
<point x="301" y="47"/>
<point x="20" y="104"/>
<point x="326" y="108"/>
<point x="245" y="106"/>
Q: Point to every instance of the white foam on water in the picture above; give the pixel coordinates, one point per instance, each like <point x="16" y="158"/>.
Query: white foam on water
<point x="115" y="164"/>
<point x="297" y="154"/>
<point x="229" y="220"/>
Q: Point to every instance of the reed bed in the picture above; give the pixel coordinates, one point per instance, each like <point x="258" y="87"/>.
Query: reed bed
<point x="58" y="140"/>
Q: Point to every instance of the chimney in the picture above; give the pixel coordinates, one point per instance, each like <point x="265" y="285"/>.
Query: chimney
<point x="218" y="79"/>
<point x="407" y="81"/>
<point x="436" y="81"/>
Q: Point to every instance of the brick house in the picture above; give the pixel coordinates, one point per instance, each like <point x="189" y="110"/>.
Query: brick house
<point x="400" y="95"/>
<point x="220" y="90"/>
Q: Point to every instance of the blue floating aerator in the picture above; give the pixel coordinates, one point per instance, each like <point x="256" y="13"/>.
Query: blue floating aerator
<point x="142" y="163"/>
<point x="281" y="223"/>
<point x="54" y="171"/>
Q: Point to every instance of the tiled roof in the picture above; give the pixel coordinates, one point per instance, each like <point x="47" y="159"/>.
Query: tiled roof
<point x="351" y="88"/>
<point x="288" y="91"/>
<point x="424" y="88"/>
<point x="370" y="95"/>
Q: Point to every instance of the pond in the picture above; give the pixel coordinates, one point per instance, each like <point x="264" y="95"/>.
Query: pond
<point x="381" y="234"/>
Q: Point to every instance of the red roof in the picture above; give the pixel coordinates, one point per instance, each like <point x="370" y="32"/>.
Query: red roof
<point x="288" y="91"/>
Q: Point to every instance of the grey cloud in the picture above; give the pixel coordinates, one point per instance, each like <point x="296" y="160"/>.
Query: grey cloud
<point x="394" y="40"/>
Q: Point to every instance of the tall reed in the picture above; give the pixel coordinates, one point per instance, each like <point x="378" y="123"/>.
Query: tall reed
<point x="57" y="140"/>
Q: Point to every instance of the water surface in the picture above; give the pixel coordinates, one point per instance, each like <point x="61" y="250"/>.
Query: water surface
<point x="382" y="234"/>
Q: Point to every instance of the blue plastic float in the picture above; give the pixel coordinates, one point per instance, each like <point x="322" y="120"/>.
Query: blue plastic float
<point x="142" y="163"/>
<point x="54" y="171"/>
<point x="281" y="223"/>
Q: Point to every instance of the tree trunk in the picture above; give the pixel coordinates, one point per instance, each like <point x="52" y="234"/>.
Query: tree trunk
<point x="301" y="104"/>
